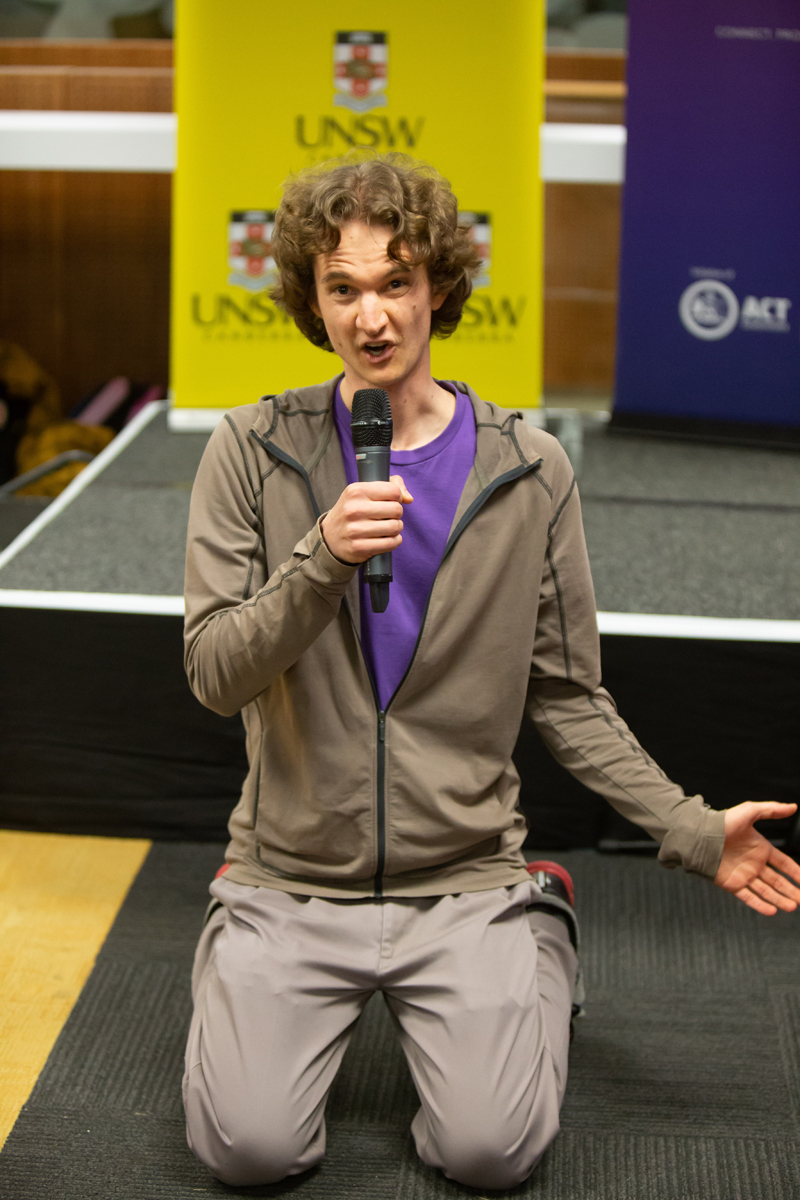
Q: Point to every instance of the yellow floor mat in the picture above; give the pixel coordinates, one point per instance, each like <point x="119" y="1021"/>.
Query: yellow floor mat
<point x="59" y="895"/>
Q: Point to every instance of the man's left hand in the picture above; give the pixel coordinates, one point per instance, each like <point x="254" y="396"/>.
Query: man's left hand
<point x="752" y="868"/>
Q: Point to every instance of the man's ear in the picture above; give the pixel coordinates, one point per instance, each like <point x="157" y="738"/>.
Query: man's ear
<point x="438" y="299"/>
<point x="312" y="304"/>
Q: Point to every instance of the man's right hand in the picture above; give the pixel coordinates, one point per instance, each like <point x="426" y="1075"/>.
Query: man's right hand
<point x="366" y="520"/>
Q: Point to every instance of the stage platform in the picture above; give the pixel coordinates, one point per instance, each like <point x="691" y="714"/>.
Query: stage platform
<point x="695" y="556"/>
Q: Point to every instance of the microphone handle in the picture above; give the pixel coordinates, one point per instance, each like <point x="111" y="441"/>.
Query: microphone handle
<point x="373" y="464"/>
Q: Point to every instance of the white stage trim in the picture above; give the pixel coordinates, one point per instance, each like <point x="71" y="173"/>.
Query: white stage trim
<point x="582" y="153"/>
<point x="194" y="420"/>
<point x="162" y="606"/>
<point x="114" y="141"/>
<point x="81" y="481"/>
<point x="87" y="141"/>
<point x="622" y="624"/>
<point x="723" y="629"/>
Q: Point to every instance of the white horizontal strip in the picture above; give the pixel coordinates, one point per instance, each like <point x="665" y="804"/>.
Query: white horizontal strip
<point x="194" y="420"/>
<point x="81" y="481"/>
<point x="164" y="606"/>
<point x="726" y="629"/>
<point x="117" y="141"/>
<point x="582" y="153"/>
<point x="87" y="141"/>
<point x="623" y="624"/>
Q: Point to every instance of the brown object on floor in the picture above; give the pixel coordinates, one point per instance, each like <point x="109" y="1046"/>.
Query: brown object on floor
<point x="33" y="396"/>
<point x="22" y="377"/>
<point x="37" y="448"/>
<point x="29" y="399"/>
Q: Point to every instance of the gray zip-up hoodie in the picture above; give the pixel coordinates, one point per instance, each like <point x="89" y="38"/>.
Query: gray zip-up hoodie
<point x="342" y="799"/>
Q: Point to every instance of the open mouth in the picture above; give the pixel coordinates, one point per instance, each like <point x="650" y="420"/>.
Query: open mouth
<point x="376" y="350"/>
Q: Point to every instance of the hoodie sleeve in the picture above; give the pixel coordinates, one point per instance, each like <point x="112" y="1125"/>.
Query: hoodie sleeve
<point x="577" y="718"/>
<point x="243" y="628"/>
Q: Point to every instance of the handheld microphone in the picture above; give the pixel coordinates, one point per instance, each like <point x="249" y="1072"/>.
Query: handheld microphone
<point x="371" y="427"/>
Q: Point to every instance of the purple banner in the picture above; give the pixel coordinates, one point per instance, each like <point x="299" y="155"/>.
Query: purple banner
<point x="709" y="314"/>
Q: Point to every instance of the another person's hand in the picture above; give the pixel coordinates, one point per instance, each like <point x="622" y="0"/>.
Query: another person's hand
<point x="752" y="869"/>
<point x="366" y="520"/>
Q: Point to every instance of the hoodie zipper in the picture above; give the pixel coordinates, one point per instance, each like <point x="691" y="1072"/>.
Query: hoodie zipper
<point x="469" y="515"/>
<point x="381" y="809"/>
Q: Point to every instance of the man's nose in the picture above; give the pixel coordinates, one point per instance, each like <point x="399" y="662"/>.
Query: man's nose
<point x="371" y="314"/>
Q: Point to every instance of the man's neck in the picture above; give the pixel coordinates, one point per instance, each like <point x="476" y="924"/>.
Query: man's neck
<point x="421" y="409"/>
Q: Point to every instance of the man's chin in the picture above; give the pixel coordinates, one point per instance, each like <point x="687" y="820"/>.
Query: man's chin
<point x="382" y="374"/>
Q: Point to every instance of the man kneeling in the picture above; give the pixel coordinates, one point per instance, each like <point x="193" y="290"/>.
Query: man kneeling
<point x="377" y="842"/>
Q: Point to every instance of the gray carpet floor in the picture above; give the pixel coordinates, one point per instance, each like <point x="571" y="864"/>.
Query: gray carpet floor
<point x="684" y="1074"/>
<point x="671" y="527"/>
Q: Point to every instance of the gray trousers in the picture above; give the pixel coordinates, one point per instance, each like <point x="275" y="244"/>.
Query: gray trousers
<point x="480" y="991"/>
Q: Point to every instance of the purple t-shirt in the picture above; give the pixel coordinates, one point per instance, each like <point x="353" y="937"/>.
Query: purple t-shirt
<point x="435" y="476"/>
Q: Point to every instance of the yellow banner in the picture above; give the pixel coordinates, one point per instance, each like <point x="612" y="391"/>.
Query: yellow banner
<point x="265" y="89"/>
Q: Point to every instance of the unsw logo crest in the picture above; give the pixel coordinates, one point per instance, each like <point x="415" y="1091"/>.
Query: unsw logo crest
<point x="360" y="80"/>
<point x="360" y="66"/>
<point x="250" y="260"/>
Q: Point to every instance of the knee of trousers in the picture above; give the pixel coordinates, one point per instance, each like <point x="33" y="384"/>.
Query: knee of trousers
<point x="486" y="1158"/>
<point x="253" y="1161"/>
<point x="249" y="1152"/>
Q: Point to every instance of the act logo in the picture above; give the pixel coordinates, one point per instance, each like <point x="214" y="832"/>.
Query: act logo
<point x="709" y="309"/>
<point x="480" y="229"/>
<point x="360" y="70"/>
<point x="250" y="260"/>
<point x="768" y="313"/>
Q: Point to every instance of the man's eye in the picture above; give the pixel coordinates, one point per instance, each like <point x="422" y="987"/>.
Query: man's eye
<point x="341" y="290"/>
<point x="397" y="283"/>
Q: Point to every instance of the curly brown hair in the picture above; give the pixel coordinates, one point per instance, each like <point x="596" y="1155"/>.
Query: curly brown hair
<point x="392" y="190"/>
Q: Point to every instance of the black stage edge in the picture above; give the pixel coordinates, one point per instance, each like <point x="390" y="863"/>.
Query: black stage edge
<point x="720" y="718"/>
<point x="103" y="736"/>
<point x="724" y="433"/>
<point x="684" y="1076"/>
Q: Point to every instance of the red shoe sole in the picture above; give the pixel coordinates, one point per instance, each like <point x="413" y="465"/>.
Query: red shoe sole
<point x="554" y="868"/>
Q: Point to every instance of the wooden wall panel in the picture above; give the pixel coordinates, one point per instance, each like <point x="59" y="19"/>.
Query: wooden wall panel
<point x="84" y="274"/>
<point x="84" y="256"/>
<point x="87" y="89"/>
<point x="581" y="110"/>
<point x="87" y="52"/>
<point x="581" y="262"/>
<point x="581" y="241"/>
<point x="567" y="63"/>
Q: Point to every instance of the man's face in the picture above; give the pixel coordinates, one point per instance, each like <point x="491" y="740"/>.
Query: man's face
<point x="377" y="313"/>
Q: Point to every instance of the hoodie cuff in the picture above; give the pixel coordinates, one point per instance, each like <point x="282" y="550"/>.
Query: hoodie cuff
<point x="321" y="568"/>
<point x="696" y="841"/>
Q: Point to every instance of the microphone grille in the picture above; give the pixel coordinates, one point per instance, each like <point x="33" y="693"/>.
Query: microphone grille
<point x="371" y="418"/>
